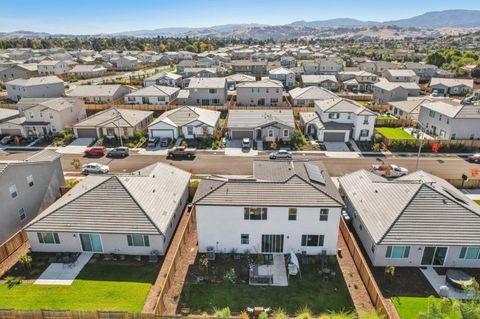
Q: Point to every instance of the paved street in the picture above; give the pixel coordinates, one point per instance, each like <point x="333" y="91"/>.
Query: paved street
<point x="445" y="167"/>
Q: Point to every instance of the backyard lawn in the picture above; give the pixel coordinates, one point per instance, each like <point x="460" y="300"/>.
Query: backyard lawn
<point x="386" y="117"/>
<point x="394" y="133"/>
<point x="311" y="290"/>
<point x="97" y="287"/>
<point x="410" y="307"/>
<point x="478" y="202"/>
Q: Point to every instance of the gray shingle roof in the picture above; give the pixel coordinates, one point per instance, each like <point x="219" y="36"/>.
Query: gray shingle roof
<point x="342" y="105"/>
<point x="257" y="118"/>
<point x="188" y="114"/>
<point x="113" y="117"/>
<point x="57" y="104"/>
<point x="312" y="93"/>
<point x="454" y="109"/>
<point x="155" y="90"/>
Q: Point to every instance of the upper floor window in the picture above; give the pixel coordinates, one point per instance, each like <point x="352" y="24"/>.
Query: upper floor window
<point x="13" y="191"/>
<point x="364" y="133"/>
<point x="30" y="180"/>
<point x="21" y="213"/>
<point x="292" y="214"/>
<point x="212" y="91"/>
<point x="324" y="214"/>
<point x="255" y="213"/>
<point x="431" y="113"/>
<point x="334" y="116"/>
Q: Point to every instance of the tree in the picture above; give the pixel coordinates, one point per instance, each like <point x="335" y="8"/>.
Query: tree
<point x="435" y="58"/>
<point x="475" y="73"/>
<point x="298" y="139"/>
<point x="75" y="163"/>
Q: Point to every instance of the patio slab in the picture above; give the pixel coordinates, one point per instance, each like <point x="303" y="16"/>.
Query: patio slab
<point x="60" y="274"/>
<point x="438" y="281"/>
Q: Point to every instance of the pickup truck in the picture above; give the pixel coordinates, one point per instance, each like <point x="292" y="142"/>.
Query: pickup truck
<point x="181" y="151"/>
<point x="389" y="170"/>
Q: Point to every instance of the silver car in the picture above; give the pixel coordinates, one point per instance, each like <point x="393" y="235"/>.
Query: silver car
<point x="96" y="168"/>
<point x="281" y="154"/>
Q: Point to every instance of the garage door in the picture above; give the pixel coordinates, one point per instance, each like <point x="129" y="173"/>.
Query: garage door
<point x="334" y="137"/>
<point x="161" y="133"/>
<point x="11" y="131"/>
<point x="87" y="132"/>
<point x="241" y="134"/>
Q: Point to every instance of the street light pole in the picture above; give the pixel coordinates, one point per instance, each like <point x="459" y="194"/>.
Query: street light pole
<point x="420" y="147"/>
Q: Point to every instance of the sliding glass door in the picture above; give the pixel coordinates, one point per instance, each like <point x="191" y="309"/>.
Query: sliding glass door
<point x="272" y="243"/>
<point x="91" y="242"/>
<point x="434" y="256"/>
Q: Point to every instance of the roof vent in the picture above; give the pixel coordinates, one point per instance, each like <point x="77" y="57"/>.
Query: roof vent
<point x="153" y="176"/>
<point x="153" y="191"/>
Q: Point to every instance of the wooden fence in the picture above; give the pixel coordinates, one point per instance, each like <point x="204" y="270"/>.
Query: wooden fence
<point x="460" y="183"/>
<point x="394" y="122"/>
<point x="67" y="314"/>
<point x="357" y="97"/>
<point x="11" y="106"/>
<point x="12" y="244"/>
<point x="364" y="271"/>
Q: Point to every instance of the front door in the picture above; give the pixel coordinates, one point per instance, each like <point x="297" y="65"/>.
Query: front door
<point x="91" y="242"/>
<point x="272" y="243"/>
<point x="434" y="256"/>
<point x="259" y="134"/>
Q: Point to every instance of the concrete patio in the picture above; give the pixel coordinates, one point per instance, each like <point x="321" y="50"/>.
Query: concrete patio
<point x="63" y="274"/>
<point x="437" y="281"/>
<point x="277" y="270"/>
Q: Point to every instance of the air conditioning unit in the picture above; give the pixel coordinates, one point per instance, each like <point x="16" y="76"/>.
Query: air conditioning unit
<point x="210" y="253"/>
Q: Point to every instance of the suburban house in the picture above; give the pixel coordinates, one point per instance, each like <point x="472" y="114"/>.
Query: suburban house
<point x="87" y="71"/>
<point x="408" y="109"/>
<point x="26" y="188"/>
<point x="424" y="71"/>
<point x="47" y="116"/>
<point x="153" y="94"/>
<point x="377" y="67"/>
<point x="129" y="214"/>
<point x="256" y="69"/>
<point x="328" y="82"/>
<point x="288" y="61"/>
<point x="261" y="125"/>
<point x="52" y="67"/>
<point x="204" y="72"/>
<point x="207" y="91"/>
<point x="417" y="220"/>
<point x="180" y="67"/>
<point x="357" y="81"/>
<point x="286" y="76"/>
<point x="98" y="94"/>
<point x="234" y="79"/>
<point x="12" y="125"/>
<point x="18" y="71"/>
<point x="285" y="206"/>
<point x="306" y="97"/>
<point x="446" y="86"/>
<point x="47" y="86"/>
<point x="163" y="78"/>
<point x="126" y="63"/>
<point x="400" y="75"/>
<point x="386" y="91"/>
<point x="113" y="122"/>
<point x="338" y="120"/>
<point x="264" y="92"/>
<point x="186" y="121"/>
<point x="449" y="119"/>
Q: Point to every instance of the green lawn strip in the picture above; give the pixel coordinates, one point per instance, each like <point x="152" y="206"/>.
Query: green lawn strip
<point x="410" y="307"/>
<point x="477" y="201"/>
<point x="98" y="287"/>
<point x="311" y="290"/>
<point x="394" y="133"/>
<point x="385" y="117"/>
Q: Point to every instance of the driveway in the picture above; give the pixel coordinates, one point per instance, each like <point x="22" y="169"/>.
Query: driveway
<point x="154" y="151"/>
<point x="336" y="147"/>
<point x="234" y="148"/>
<point x="77" y="146"/>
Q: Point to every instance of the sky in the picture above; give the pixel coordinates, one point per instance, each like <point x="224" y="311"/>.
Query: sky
<point x="110" y="16"/>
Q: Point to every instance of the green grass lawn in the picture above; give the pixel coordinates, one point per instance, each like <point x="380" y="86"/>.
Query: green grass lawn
<point x="385" y="117"/>
<point x="312" y="291"/>
<point x="98" y="287"/>
<point x="410" y="307"/>
<point x="478" y="202"/>
<point x="394" y="133"/>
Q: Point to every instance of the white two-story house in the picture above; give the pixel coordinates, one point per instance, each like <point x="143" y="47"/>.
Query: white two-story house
<point x="264" y="92"/>
<point x="153" y="94"/>
<point x="52" y="67"/>
<point x="207" y="91"/>
<point x="338" y="120"/>
<point x="285" y="207"/>
<point x="47" y="86"/>
<point x="284" y="75"/>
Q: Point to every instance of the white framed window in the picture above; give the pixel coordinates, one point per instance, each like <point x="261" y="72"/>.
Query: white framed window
<point x="364" y="133"/>
<point x="21" y="213"/>
<point x="255" y="213"/>
<point x="138" y="240"/>
<point x="333" y="116"/>
<point x="470" y="253"/>
<point x="30" y="180"/>
<point x="313" y="240"/>
<point x="13" y="191"/>
<point x="397" y="252"/>
<point x="324" y="214"/>
<point x="244" y="239"/>
<point x="48" y="238"/>
<point x="286" y="133"/>
<point x="270" y="133"/>
<point x="292" y="214"/>
<point x="431" y="113"/>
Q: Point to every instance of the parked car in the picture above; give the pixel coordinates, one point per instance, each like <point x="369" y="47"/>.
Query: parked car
<point x="389" y="170"/>
<point x="246" y="143"/>
<point x="153" y="141"/>
<point x="164" y="142"/>
<point x="95" y="168"/>
<point x="474" y="158"/>
<point x="5" y="140"/>
<point x="181" y="151"/>
<point x="118" y="152"/>
<point x="95" y="151"/>
<point x="281" y="154"/>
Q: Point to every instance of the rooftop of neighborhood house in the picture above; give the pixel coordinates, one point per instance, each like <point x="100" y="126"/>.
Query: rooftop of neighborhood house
<point x="56" y="104"/>
<point x="451" y="82"/>
<point x="454" y="109"/>
<point x="207" y="83"/>
<point x="342" y="105"/>
<point x="411" y="105"/>
<point x="265" y="83"/>
<point x="142" y="202"/>
<point x="240" y="77"/>
<point x="258" y="118"/>
<point x="6" y="114"/>
<point x="282" y="183"/>
<point x="312" y="93"/>
<point x="281" y="70"/>
<point x="114" y="117"/>
<point x="42" y="156"/>
<point x="86" y="68"/>
<point x="49" y="62"/>
<point x="107" y="90"/>
<point x="417" y="209"/>
<point x="310" y="78"/>
<point x="187" y="114"/>
<point x="154" y="90"/>
<point x="43" y="80"/>
<point x="390" y="86"/>
<point x="400" y="72"/>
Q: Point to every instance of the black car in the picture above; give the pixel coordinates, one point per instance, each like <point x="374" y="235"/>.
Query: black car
<point x="164" y="142"/>
<point x="118" y="152"/>
<point x="153" y="141"/>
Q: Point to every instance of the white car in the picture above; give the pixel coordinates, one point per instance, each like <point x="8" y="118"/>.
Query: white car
<point x="281" y="154"/>
<point x="95" y="168"/>
<point x="389" y="170"/>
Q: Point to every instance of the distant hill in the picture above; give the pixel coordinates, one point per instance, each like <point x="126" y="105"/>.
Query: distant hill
<point x="442" y="19"/>
<point x="332" y="23"/>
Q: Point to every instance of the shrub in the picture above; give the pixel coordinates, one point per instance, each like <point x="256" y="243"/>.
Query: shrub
<point x="195" y="183"/>
<point x="263" y="315"/>
<point x="377" y="138"/>
<point x="389" y="273"/>
<point x="303" y="313"/>
<point x="231" y="276"/>
<point x="298" y="139"/>
<point x="279" y="314"/>
<point x="222" y="313"/>
<point x="26" y="262"/>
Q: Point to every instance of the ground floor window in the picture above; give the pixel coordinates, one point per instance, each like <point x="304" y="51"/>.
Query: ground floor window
<point x="470" y="253"/>
<point x="312" y="240"/>
<point x="244" y="239"/>
<point x="138" y="240"/>
<point x="397" y="252"/>
<point x="364" y="133"/>
<point x="48" y="238"/>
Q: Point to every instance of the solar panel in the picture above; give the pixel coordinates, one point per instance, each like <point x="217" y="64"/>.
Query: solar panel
<point x="314" y="173"/>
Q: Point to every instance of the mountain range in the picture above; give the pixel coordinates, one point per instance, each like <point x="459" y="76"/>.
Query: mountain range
<point x="320" y="28"/>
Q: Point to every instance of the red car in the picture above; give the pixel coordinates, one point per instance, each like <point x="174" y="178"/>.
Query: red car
<point x="96" y="151"/>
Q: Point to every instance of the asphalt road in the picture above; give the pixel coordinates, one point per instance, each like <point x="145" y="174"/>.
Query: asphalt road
<point x="445" y="167"/>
